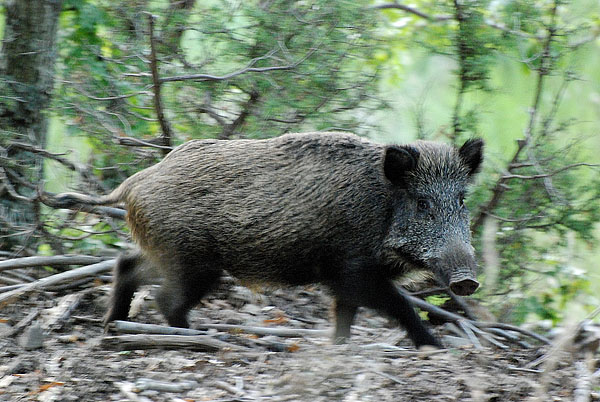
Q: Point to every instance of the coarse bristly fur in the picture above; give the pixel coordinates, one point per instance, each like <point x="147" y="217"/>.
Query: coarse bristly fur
<point x="301" y="208"/>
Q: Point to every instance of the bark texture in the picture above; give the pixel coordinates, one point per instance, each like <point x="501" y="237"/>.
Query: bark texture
<point x="26" y="81"/>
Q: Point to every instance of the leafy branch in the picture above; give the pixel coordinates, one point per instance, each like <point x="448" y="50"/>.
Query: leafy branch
<point x="543" y="71"/>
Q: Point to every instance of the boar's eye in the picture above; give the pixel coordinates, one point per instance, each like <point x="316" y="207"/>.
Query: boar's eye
<point x="461" y="199"/>
<point x="423" y="204"/>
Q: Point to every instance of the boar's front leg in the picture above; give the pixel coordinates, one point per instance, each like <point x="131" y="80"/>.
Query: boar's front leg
<point x="363" y="284"/>
<point x="344" y="315"/>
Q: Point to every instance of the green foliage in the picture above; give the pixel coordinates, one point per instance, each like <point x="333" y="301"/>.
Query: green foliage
<point x="111" y="64"/>
<point x="506" y="71"/>
<point x="550" y="194"/>
<point x="107" y="92"/>
<point x="474" y="45"/>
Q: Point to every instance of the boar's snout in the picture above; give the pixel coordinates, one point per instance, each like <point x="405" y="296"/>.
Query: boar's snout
<point x="464" y="286"/>
<point x="456" y="268"/>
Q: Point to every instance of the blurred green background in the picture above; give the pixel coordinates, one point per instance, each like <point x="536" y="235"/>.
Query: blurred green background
<point x="442" y="71"/>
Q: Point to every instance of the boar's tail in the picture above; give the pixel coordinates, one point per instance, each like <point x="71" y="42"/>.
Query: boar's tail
<point x="70" y="200"/>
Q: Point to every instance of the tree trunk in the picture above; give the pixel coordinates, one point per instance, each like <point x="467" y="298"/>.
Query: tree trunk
<point x="26" y="81"/>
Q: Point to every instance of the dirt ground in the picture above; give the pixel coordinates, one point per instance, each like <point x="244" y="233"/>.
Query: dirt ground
<point x="379" y="364"/>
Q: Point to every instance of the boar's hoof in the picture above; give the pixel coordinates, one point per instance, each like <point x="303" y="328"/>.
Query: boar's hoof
<point x="464" y="287"/>
<point x="429" y="349"/>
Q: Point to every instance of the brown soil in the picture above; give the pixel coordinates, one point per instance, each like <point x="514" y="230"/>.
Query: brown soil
<point x="377" y="365"/>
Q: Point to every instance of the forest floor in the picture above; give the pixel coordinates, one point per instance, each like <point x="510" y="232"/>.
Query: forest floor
<point x="53" y="348"/>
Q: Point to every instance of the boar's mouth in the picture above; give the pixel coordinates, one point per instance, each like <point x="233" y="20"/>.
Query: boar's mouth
<point x="459" y="277"/>
<point x="402" y="264"/>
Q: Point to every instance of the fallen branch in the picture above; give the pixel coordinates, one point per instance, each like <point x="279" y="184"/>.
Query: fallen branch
<point x="493" y="328"/>
<point x="129" y="327"/>
<point x="282" y="332"/>
<point x="583" y="382"/>
<point x="55" y="317"/>
<point x="38" y="261"/>
<point x="194" y="342"/>
<point x="10" y="287"/>
<point x="500" y="325"/>
<point x="509" y="337"/>
<point x="24" y="323"/>
<point x="229" y="388"/>
<point x="10" y="281"/>
<point x="128" y="390"/>
<point x="463" y="324"/>
<point x="138" y="328"/>
<point x="144" y="384"/>
<point x="82" y="272"/>
<point x="471" y="329"/>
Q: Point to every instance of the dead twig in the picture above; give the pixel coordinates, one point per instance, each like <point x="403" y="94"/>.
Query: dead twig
<point x="500" y="325"/>
<point x="389" y="377"/>
<point x="550" y="174"/>
<point x="412" y="10"/>
<point x="492" y="327"/>
<point x="509" y="337"/>
<point x="83" y="170"/>
<point x="138" y="328"/>
<point x="10" y="287"/>
<point x="281" y="332"/>
<point x="41" y="261"/>
<point x="89" y="270"/>
<point x="53" y="318"/>
<point x="167" y="132"/>
<point x="245" y="70"/>
<point x="129" y="327"/>
<point x="136" y="142"/>
<point x="143" y="384"/>
<point x="470" y="335"/>
<point x="24" y="323"/>
<point x="142" y="341"/>
<point x="583" y="385"/>
<point x="542" y="72"/>
<point x="127" y="389"/>
<point x="229" y="388"/>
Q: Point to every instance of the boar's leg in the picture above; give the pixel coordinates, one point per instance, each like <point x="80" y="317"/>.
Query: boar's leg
<point x="363" y="284"/>
<point x="125" y="284"/>
<point x="385" y="297"/>
<point x="180" y="293"/>
<point x="344" y="315"/>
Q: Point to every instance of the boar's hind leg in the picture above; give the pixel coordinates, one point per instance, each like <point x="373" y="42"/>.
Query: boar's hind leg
<point x="180" y="293"/>
<point x="125" y="283"/>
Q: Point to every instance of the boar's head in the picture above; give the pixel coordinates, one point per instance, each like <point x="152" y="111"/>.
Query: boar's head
<point x="430" y="222"/>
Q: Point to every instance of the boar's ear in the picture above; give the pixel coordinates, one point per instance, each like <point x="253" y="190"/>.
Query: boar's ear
<point x="472" y="154"/>
<point x="398" y="161"/>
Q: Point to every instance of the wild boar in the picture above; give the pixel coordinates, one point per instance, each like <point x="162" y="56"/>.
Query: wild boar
<point x="331" y="208"/>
